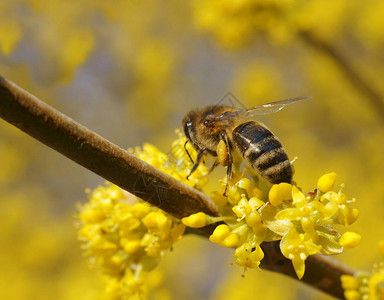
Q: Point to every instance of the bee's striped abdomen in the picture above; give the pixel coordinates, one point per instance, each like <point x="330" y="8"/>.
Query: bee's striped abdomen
<point x="263" y="151"/>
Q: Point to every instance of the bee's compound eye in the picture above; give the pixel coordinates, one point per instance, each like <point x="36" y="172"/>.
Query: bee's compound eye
<point x="206" y="123"/>
<point x="187" y="125"/>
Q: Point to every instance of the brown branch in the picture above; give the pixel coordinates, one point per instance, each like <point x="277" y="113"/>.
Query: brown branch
<point x="97" y="154"/>
<point x="116" y="165"/>
<point x="357" y="81"/>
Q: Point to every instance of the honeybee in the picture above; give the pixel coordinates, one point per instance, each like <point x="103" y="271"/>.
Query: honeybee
<point x="221" y="130"/>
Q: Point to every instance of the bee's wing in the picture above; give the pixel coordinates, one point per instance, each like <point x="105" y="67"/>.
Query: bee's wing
<point x="271" y="108"/>
<point x="264" y="109"/>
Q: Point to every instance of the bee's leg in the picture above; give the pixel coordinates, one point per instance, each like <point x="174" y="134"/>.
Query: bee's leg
<point x="189" y="155"/>
<point x="230" y="161"/>
<point x="215" y="164"/>
<point x="198" y="160"/>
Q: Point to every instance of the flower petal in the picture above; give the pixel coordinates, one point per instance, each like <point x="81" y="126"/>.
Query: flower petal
<point x="298" y="197"/>
<point x="299" y="266"/>
<point x="288" y="214"/>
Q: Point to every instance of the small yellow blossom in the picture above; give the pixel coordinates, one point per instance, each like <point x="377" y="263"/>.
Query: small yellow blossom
<point x="220" y="233"/>
<point x="326" y="182"/>
<point x="233" y="194"/>
<point x="349" y="282"/>
<point x="242" y="208"/>
<point x="352" y="295"/>
<point x="130" y="246"/>
<point x="156" y="220"/>
<point x="230" y="241"/>
<point x="253" y="219"/>
<point x="248" y="256"/>
<point x="251" y="189"/>
<point x="337" y="205"/>
<point x="304" y="211"/>
<point x="197" y="220"/>
<point x="297" y="247"/>
<point x="350" y="239"/>
<point x="280" y="192"/>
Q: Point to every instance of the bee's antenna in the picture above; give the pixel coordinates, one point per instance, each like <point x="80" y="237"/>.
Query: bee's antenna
<point x="185" y="147"/>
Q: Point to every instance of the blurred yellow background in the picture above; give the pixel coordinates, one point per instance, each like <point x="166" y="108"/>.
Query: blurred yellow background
<point x="130" y="70"/>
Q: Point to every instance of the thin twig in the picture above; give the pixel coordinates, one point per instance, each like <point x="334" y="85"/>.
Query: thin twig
<point x="116" y="165"/>
<point x="358" y="82"/>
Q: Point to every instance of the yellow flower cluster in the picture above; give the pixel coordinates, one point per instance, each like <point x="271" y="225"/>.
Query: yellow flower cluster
<point x="303" y="223"/>
<point x="365" y="285"/>
<point x="125" y="239"/>
<point x="176" y="162"/>
<point x="235" y="23"/>
<point x="244" y="229"/>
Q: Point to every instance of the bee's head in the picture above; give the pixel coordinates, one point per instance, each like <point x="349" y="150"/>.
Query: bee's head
<point x="199" y="126"/>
